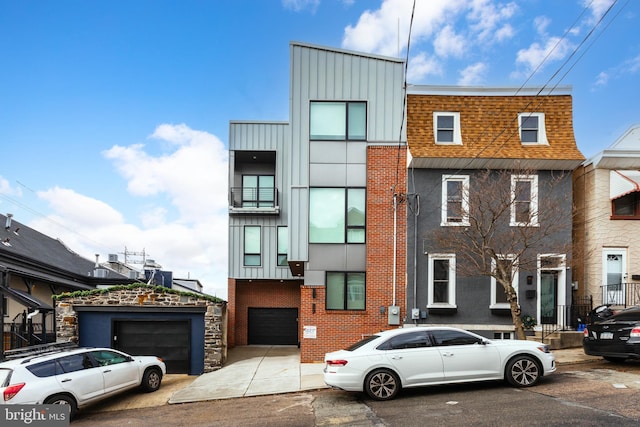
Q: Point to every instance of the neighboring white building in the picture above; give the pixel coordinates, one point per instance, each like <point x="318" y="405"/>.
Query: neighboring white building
<point x="607" y="225"/>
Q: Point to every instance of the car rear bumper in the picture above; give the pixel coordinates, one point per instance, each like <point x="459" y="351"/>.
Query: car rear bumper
<point x="620" y="349"/>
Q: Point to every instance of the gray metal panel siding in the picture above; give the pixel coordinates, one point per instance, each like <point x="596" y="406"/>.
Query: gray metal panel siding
<point x="326" y="74"/>
<point x="259" y="136"/>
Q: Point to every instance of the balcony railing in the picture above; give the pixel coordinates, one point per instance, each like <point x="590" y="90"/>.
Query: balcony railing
<point x="254" y="200"/>
<point x="621" y="294"/>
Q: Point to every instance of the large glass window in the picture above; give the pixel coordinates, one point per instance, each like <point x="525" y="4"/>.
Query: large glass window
<point x="338" y="121"/>
<point x="524" y="200"/>
<point x="455" y="200"/>
<point x="283" y="246"/>
<point x="258" y="191"/>
<point x="337" y="215"/>
<point x="345" y="291"/>
<point x="442" y="279"/>
<point x="252" y="245"/>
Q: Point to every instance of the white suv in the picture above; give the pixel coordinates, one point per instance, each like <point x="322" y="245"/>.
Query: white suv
<point x="76" y="377"/>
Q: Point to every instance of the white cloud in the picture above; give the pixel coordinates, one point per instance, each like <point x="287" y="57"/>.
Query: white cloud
<point x="598" y="8"/>
<point x="541" y="23"/>
<point x="473" y="74"/>
<point x="602" y="79"/>
<point x="379" y="31"/>
<point x="420" y="67"/>
<point x="537" y="56"/>
<point x="448" y="43"/>
<point x="487" y="20"/>
<point x="300" y="5"/>
<point x="184" y="227"/>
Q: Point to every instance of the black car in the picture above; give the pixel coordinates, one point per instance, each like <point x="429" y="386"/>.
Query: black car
<point x="614" y="336"/>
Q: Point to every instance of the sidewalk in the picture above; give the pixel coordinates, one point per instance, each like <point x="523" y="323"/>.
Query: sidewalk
<point x="253" y="371"/>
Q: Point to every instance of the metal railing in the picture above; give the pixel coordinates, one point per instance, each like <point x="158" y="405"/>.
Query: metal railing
<point x="566" y="317"/>
<point x="17" y="335"/>
<point x="253" y="197"/>
<point x="622" y="294"/>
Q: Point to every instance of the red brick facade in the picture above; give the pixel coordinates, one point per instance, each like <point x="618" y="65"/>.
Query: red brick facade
<point x="257" y="294"/>
<point x="338" y="329"/>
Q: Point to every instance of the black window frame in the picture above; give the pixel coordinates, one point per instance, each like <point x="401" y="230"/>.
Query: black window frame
<point x="346" y="135"/>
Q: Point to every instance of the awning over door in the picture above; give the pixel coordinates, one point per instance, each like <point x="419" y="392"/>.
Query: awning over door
<point x="26" y="299"/>
<point x="623" y="182"/>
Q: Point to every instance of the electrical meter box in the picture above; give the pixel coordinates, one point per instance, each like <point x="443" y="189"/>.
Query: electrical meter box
<point x="415" y="313"/>
<point x="394" y="315"/>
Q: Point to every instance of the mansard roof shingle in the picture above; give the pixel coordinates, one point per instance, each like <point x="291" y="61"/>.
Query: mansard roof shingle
<point x="489" y="127"/>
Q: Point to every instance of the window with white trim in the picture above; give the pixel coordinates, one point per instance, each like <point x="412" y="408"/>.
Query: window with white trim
<point x="532" y="129"/>
<point x="498" y="295"/>
<point x="455" y="200"/>
<point x="524" y="200"/>
<point x="446" y="128"/>
<point x="442" y="281"/>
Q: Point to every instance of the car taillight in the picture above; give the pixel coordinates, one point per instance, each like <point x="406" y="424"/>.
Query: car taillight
<point x="336" y="362"/>
<point x="635" y="332"/>
<point x="586" y="333"/>
<point x="12" y="390"/>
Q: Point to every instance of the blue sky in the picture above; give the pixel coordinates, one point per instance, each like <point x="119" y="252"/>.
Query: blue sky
<point x="114" y="114"/>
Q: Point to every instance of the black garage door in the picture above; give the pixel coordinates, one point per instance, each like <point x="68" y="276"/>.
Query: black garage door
<point x="274" y="326"/>
<point x="168" y="339"/>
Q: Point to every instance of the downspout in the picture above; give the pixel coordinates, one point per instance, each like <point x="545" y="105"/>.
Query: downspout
<point x="395" y="243"/>
<point x="416" y="212"/>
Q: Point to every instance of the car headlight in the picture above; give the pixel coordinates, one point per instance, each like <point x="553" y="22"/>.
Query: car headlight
<point x="543" y="348"/>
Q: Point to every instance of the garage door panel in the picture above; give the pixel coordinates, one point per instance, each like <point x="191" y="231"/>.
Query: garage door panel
<point x="273" y="326"/>
<point x="169" y="340"/>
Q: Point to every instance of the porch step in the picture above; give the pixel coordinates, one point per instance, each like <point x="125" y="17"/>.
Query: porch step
<point x="559" y="340"/>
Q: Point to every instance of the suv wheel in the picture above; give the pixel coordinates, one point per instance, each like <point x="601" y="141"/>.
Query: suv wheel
<point x="151" y="380"/>
<point x="63" y="399"/>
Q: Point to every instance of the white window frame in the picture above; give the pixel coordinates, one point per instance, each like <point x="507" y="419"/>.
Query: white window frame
<point x="542" y="129"/>
<point x="533" y="208"/>
<point x="451" y="303"/>
<point x="457" y="135"/>
<point x="495" y="285"/>
<point x="465" y="201"/>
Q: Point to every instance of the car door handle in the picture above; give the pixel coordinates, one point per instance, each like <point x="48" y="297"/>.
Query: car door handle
<point x="107" y="371"/>
<point x="447" y="354"/>
<point x="396" y="357"/>
<point x="66" y="380"/>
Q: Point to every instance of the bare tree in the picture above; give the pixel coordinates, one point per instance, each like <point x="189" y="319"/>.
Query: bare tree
<point x="504" y="224"/>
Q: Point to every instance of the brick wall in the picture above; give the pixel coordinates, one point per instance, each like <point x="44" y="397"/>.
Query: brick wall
<point x="338" y="329"/>
<point x="259" y="294"/>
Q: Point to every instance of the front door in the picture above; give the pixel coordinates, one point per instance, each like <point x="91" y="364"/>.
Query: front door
<point x="549" y="297"/>
<point x="614" y="262"/>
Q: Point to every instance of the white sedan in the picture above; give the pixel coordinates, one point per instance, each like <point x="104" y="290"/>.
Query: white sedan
<point x="384" y="363"/>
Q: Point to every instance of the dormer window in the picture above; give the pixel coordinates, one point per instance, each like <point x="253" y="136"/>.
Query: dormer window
<point x="446" y="128"/>
<point x="532" y="129"/>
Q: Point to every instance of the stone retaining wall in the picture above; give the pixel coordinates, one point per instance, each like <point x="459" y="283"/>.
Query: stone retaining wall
<point x="215" y="316"/>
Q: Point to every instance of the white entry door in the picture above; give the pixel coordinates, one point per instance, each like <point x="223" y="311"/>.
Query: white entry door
<point x="614" y="263"/>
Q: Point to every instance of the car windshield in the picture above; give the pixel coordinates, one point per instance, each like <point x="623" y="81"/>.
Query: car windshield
<point x="5" y="374"/>
<point x="362" y="342"/>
